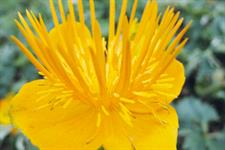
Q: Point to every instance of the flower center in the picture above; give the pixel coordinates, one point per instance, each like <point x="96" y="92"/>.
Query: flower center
<point x="107" y="105"/>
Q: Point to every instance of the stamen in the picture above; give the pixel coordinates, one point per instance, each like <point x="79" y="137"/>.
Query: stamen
<point x="81" y="12"/>
<point x="122" y="15"/>
<point x="165" y="94"/>
<point x="126" y="118"/>
<point x="111" y="21"/>
<point x="54" y="15"/>
<point x="41" y="98"/>
<point x="93" y="136"/>
<point x="92" y="11"/>
<point x="68" y="92"/>
<point x="125" y="68"/>
<point x="116" y="95"/>
<point x="61" y="11"/>
<point x="66" y="104"/>
<point x="105" y="111"/>
<point x="98" y="120"/>
<point x="126" y="100"/>
<point x="125" y="114"/>
<point x="71" y="11"/>
<point x="163" y="122"/>
<point x="133" y="12"/>
<point x="145" y="94"/>
<point x="158" y="86"/>
<point x="166" y="80"/>
<point x="31" y="57"/>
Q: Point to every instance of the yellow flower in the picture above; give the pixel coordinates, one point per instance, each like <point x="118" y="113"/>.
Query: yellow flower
<point x="5" y="116"/>
<point x="113" y="93"/>
<point x="4" y="110"/>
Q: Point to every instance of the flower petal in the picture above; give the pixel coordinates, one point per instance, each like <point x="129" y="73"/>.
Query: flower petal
<point x="4" y="110"/>
<point x="175" y="71"/>
<point x="148" y="133"/>
<point x="116" y="136"/>
<point x="164" y="91"/>
<point x="51" y="127"/>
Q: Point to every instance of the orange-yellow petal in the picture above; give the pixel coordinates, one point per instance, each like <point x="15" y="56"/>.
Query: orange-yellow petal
<point x="47" y="123"/>
<point x="147" y="132"/>
<point x="163" y="92"/>
<point x="151" y="133"/>
<point x="4" y="110"/>
<point x="117" y="135"/>
<point x="174" y="77"/>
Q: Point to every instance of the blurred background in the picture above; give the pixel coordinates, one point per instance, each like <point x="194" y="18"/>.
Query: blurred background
<point x="201" y="106"/>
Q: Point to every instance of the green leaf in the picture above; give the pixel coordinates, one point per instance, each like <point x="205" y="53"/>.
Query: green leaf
<point x="193" y="112"/>
<point x="195" y="141"/>
<point x="216" y="141"/>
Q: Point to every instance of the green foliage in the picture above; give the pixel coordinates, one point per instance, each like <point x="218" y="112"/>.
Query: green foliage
<point x="201" y="106"/>
<point x="195" y="118"/>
